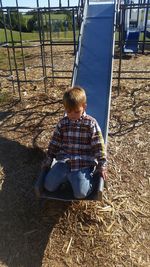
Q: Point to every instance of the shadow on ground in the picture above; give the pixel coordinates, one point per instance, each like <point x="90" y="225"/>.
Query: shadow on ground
<point x="25" y="223"/>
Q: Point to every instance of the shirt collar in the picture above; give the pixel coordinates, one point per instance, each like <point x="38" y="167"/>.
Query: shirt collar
<point x="83" y="115"/>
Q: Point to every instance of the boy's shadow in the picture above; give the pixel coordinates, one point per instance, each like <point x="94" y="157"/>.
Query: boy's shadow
<point x="25" y="226"/>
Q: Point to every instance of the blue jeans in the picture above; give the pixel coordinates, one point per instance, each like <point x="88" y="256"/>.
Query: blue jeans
<point x="81" y="181"/>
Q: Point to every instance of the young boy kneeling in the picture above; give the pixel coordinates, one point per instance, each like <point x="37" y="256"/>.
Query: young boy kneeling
<point x="78" y="147"/>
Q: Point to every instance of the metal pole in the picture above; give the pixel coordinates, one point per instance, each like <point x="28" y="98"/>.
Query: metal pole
<point x="74" y="30"/>
<point x="14" y="53"/>
<point x="8" y="51"/>
<point x="145" y="26"/>
<point x="41" y="43"/>
<point x="51" y="41"/>
<point x="43" y="46"/>
<point x="20" y="34"/>
<point x="121" y="45"/>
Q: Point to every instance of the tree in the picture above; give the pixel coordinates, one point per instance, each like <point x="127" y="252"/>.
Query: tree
<point x="32" y="23"/>
<point x="1" y="20"/>
<point x="16" y="20"/>
<point x="69" y="19"/>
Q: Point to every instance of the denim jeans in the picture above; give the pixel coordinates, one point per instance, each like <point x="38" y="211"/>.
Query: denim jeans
<point x="81" y="181"/>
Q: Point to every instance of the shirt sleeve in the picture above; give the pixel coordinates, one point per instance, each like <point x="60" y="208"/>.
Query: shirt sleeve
<point x="98" y="145"/>
<point x="55" y="143"/>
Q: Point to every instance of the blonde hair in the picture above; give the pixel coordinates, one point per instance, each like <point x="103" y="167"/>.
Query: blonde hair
<point x="74" y="97"/>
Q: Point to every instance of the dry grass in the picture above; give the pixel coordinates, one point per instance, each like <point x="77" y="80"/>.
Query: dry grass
<point x="114" y="233"/>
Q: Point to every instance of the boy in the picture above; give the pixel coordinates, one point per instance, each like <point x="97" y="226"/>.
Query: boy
<point x="78" y="147"/>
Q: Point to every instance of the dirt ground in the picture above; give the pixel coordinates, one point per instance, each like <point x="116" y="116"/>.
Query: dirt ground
<point x="112" y="233"/>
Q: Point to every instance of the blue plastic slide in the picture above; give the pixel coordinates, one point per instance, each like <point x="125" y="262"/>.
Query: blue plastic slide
<point x="92" y="71"/>
<point x="93" y="66"/>
<point x="148" y="34"/>
<point x="131" y="42"/>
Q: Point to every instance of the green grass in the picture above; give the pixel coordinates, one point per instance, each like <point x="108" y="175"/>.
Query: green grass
<point x="16" y="36"/>
<point x="27" y="17"/>
<point x="46" y="17"/>
<point x="33" y="36"/>
<point x="52" y="16"/>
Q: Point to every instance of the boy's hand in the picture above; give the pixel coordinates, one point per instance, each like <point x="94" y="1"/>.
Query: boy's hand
<point x="102" y="171"/>
<point x="46" y="163"/>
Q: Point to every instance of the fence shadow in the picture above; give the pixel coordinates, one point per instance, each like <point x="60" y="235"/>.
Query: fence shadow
<point x="25" y="225"/>
<point x="128" y="117"/>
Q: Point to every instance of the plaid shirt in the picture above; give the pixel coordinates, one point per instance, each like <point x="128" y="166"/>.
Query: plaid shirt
<point x="79" y="142"/>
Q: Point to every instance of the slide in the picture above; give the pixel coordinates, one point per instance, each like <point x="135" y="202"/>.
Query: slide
<point x="93" y="71"/>
<point x="131" y="42"/>
<point x="93" y="66"/>
<point x="148" y="34"/>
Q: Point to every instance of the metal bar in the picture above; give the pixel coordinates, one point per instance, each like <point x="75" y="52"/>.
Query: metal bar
<point x="43" y="46"/>
<point x="53" y="43"/>
<point x="70" y="71"/>
<point x="50" y="41"/>
<point x="121" y="28"/>
<point x="41" y="8"/>
<point x="59" y="77"/>
<point x="40" y="37"/>
<point x="131" y="78"/>
<point x="24" y="81"/>
<point x="14" y="53"/>
<point x="134" y="6"/>
<point x="8" y="52"/>
<point x="69" y="77"/>
<point x="74" y="31"/>
<point x="133" y="71"/>
<point x="42" y="79"/>
<point x="46" y="44"/>
<point x="145" y="27"/>
<point x="20" y="34"/>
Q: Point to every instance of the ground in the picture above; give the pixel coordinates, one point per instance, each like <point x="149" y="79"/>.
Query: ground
<point x="111" y="233"/>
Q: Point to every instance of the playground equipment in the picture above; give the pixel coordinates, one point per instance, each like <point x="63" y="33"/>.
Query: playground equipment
<point x="132" y="26"/>
<point x="131" y="42"/>
<point x="148" y="29"/>
<point x="134" y="23"/>
<point x="94" y="52"/>
<point x="132" y="30"/>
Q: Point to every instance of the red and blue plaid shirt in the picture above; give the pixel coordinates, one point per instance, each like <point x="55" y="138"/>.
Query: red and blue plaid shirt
<point x="80" y="142"/>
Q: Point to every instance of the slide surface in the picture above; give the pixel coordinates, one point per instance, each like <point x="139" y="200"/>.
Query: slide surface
<point x="132" y="42"/>
<point x="93" y="71"/>
<point x="93" y="68"/>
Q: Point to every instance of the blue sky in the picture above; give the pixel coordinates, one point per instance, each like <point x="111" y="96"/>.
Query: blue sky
<point x="33" y="3"/>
